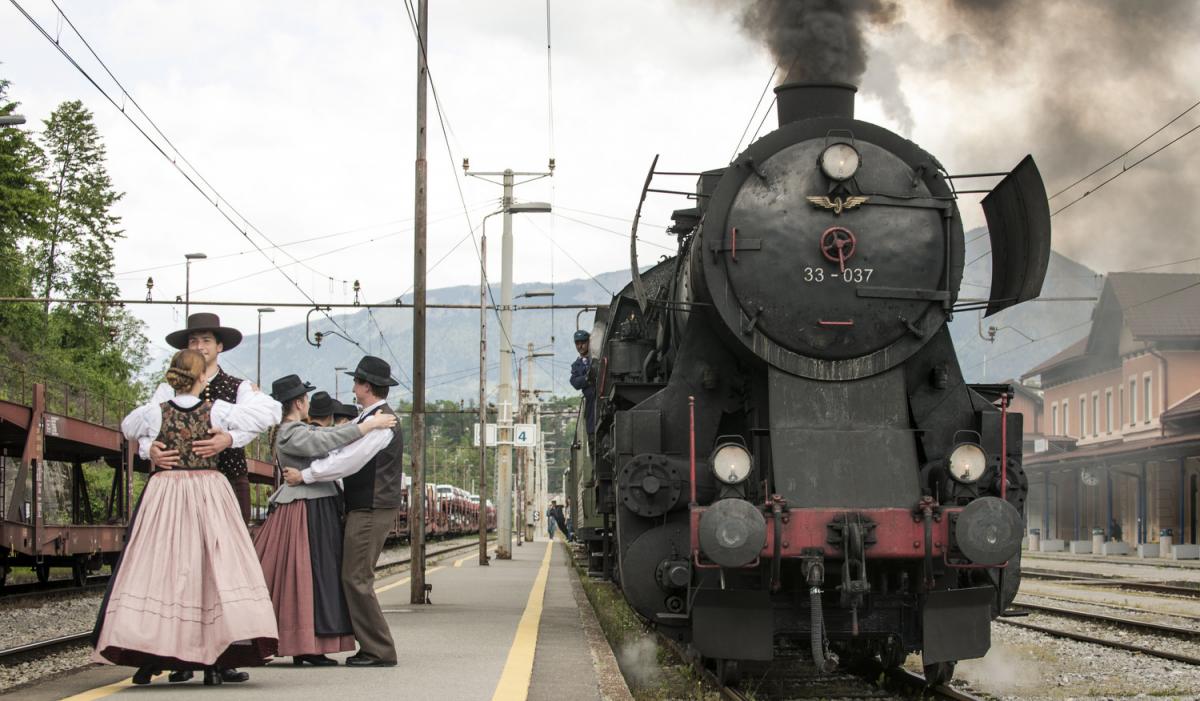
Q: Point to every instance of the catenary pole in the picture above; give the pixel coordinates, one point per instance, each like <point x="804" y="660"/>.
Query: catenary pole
<point x="483" y="500"/>
<point x="417" y="493"/>
<point x="504" y="505"/>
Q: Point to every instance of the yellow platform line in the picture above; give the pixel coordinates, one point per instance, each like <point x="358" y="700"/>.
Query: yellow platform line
<point x="518" y="668"/>
<point x="459" y="562"/>
<point x="393" y="585"/>
<point x="101" y="691"/>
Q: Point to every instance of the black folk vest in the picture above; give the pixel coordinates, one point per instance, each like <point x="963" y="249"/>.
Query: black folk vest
<point x="379" y="483"/>
<point x="231" y="461"/>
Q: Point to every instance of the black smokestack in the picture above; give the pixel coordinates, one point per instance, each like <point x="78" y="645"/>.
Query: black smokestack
<point x="805" y="100"/>
<point x="816" y="40"/>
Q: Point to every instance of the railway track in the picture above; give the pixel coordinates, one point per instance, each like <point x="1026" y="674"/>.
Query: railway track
<point x="1192" y="592"/>
<point x="20" y="653"/>
<point x="1125" y="624"/>
<point x="795" y="678"/>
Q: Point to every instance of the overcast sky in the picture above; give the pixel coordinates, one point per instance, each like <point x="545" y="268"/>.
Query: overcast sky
<point x="301" y="114"/>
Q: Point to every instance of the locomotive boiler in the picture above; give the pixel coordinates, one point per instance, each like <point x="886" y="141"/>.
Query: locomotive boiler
<point x="787" y="456"/>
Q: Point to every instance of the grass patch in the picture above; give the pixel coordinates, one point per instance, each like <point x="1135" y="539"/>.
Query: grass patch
<point x="652" y="670"/>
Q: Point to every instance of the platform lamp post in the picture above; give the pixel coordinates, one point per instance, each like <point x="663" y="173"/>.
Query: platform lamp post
<point x="187" y="285"/>
<point x="504" y="507"/>
<point x="258" y="371"/>
<point x="11" y="120"/>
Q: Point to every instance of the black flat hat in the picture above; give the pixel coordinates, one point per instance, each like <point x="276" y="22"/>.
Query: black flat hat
<point x="321" y="405"/>
<point x="348" y="411"/>
<point x="205" y="321"/>
<point x="289" y="387"/>
<point x="374" y="370"/>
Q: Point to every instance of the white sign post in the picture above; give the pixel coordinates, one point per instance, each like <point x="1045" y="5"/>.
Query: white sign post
<point x="491" y="436"/>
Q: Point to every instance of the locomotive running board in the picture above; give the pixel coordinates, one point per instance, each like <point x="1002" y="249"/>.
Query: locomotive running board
<point x="1018" y="221"/>
<point x="957" y="624"/>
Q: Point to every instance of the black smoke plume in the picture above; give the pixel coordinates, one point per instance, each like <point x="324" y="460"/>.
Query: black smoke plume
<point x="816" y="39"/>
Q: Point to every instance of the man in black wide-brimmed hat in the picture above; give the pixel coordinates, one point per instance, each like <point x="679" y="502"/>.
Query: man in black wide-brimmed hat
<point x="372" y="497"/>
<point x="205" y="334"/>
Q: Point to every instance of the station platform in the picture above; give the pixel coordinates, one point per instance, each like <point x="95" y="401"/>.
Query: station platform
<point x="516" y="629"/>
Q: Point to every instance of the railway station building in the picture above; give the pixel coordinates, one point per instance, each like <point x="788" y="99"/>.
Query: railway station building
<point x="1115" y="442"/>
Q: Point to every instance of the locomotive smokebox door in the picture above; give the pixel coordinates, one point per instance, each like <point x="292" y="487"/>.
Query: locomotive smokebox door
<point x="957" y="624"/>
<point x="733" y="624"/>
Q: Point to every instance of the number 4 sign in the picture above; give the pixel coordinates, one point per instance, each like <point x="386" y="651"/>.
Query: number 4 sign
<point x="525" y="435"/>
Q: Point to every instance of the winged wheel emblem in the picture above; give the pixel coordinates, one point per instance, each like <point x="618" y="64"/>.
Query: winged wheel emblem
<point x="837" y="204"/>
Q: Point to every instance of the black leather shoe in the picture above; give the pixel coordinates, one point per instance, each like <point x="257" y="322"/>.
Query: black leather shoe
<point x="314" y="660"/>
<point x="358" y="661"/>
<point x="144" y="675"/>
<point x="232" y="676"/>
<point x="182" y="675"/>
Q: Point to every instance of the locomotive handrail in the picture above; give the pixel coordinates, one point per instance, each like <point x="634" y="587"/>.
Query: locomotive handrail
<point x="639" y="287"/>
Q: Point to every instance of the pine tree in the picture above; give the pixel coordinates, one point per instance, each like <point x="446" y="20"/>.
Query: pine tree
<point x="102" y="343"/>
<point x="24" y="201"/>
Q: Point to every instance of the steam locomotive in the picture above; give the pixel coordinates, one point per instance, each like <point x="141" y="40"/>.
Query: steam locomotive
<point x="786" y="454"/>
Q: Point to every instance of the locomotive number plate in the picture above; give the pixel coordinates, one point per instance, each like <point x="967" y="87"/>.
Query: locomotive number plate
<point x="848" y="275"/>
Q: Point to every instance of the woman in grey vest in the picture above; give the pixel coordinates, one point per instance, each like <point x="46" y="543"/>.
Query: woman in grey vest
<point x="300" y="545"/>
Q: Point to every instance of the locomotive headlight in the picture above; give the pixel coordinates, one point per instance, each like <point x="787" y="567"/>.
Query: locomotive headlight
<point x="967" y="462"/>
<point x="840" y="161"/>
<point x="731" y="463"/>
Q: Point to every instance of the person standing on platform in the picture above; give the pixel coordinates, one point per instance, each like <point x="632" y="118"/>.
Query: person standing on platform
<point x="187" y="592"/>
<point x="373" y="498"/>
<point x="205" y="334"/>
<point x="300" y="545"/>
<point x="343" y="413"/>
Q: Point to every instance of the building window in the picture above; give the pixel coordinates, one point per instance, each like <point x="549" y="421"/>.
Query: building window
<point x="1121" y="407"/>
<point x="1066" y="418"/>
<point x="1095" y="414"/>
<point x="1108" y="413"/>
<point x="1082" y="412"/>
<point x="1054" y="420"/>
<point x="1146" y="401"/>
<point x="1132" y="402"/>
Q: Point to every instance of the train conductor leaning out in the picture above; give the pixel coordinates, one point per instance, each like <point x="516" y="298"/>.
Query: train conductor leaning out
<point x="373" y="498"/>
<point x="583" y="378"/>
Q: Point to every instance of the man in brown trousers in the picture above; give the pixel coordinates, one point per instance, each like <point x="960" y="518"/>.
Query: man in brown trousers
<point x="373" y="497"/>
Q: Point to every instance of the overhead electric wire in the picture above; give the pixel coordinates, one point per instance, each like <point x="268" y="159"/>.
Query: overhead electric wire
<point x="572" y="258"/>
<point x="216" y="198"/>
<point x="1127" y="151"/>
<point x="1125" y="170"/>
<point x="319" y="237"/>
<point x="738" y="149"/>
<point x="623" y="235"/>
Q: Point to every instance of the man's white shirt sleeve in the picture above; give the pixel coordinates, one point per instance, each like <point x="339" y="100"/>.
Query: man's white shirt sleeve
<point x="344" y="462"/>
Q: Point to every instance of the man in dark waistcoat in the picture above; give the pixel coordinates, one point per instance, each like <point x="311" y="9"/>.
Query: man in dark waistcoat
<point x="205" y="334"/>
<point x="373" y="498"/>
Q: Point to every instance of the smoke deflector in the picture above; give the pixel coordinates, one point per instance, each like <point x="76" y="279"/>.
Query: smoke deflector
<point x="1018" y="221"/>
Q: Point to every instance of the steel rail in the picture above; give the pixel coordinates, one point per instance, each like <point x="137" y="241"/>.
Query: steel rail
<point x="1083" y="638"/>
<point x="1128" y="585"/>
<point x="1106" y="605"/>
<point x="1129" y="623"/>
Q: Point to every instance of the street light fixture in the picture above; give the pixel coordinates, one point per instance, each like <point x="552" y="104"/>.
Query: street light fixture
<point x="261" y="311"/>
<point x="504" y="466"/>
<point x="536" y="293"/>
<point x="12" y="120"/>
<point x="187" y="286"/>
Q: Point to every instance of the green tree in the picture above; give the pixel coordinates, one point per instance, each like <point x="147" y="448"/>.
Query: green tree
<point x="24" y="201"/>
<point x="97" y="345"/>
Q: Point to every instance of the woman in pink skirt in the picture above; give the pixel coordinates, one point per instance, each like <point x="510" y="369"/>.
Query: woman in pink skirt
<point x="188" y="592"/>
